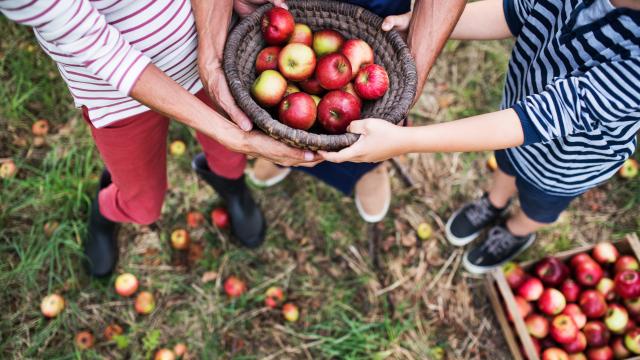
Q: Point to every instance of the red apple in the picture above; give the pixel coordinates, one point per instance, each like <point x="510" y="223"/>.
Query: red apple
<point x="277" y="26"/>
<point x="588" y="273"/>
<point x="164" y="354"/>
<point x="600" y="353"/>
<point x="616" y="319"/>
<point x="630" y="169"/>
<point x="554" y="353"/>
<point x="7" y="169"/>
<point x="619" y="350"/>
<point x="326" y="42"/>
<point x="267" y="59"/>
<point x="40" y="127"/>
<point x="273" y="297"/>
<point x="551" y="302"/>
<point x="536" y="345"/>
<point x="84" y="340"/>
<point x="180" y="239"/>
<point x="195" y="219"/>
<point x="524" y="308"/>
<point x="296" y="62"/>
<point x="606" y="287"/>
<point x="112" y="330"/>
<point x="145" y="303"/>
<point x="576" y="314"/>
<point x="358" y="52"/>
<point x="514" y="274"/>
<point x="633" y="305"/>
<point x="269" y="87"/>
<point x="596" y="333"/>
<point x="298" y="111"/>
<point x="605" y="253"/>
<point x="631" y="325"/>
<point x="531" y="289"/>
<point x="579" y="344"/>
<point x="593" y="304"/>
<point x="180" y="349"/>
<point x="52" y="305"/>
<point x="570" y="290"/>
<point x="537" y="326"/>
<point x="579" y="259"/>
<point x="301" y="34"/>
<point x="626" y="262"/>
<point x="372" y="82"/>
<point x="333" y="71"/>
<point x="578" y="356"/>
<point x="234" y="287"/>
<point x="126" y="284"/>
<point x="311" y="86"/>
<point x="337" y="110"/>
<point x="351" y="90"/>
<point x="563" y="330"/>
<point x="628" y="284"/>
<point x="551" y="271"/>
<point x="632" y="341"/>
<point x="290" y="312"/>
<point x="220" y="218"/>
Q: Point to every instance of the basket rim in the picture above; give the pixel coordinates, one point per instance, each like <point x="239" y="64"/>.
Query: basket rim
<point x="302" y="138"/>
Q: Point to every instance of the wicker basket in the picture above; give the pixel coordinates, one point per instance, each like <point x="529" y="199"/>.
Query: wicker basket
<point x="245" y="41"/>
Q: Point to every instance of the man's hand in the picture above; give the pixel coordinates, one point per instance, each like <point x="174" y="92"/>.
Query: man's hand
<point x="246" y="7"/>
<point x="258" y="144"/>
<point x="398" y="23"/>
<point x="379" y="140"/>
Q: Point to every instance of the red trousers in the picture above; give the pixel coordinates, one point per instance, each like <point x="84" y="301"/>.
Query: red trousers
<point x="134" y="151"/>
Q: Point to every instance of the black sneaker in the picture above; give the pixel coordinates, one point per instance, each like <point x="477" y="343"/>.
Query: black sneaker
<point x="499" y="247"/>
<point x="466" y="223"/>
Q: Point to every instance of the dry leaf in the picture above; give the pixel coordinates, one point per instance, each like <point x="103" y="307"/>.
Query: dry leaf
<point x="209" y="276"/>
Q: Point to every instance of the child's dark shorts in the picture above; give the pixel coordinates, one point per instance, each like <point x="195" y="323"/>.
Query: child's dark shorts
<point x="535" y="203"/>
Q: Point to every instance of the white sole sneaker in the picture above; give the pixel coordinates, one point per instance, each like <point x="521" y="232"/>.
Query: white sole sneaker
<point x="375" y="217"/>
<point x="458" y="241"/>
<point x="474" y="269"/>
<point x="268" y="182"/>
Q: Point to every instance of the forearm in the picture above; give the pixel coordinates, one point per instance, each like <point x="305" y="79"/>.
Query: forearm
<point x="430" y="27"/>
<point x="492" y="131"/>
<point x="482" y="20"/>
<point x="213" y="18"/>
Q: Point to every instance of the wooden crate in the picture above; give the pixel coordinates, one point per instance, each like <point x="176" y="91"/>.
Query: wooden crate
<point x="499" y="293"/>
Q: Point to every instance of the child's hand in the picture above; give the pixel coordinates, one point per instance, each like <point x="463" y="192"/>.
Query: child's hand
<point x="397" y="22"/>
<point x="379" y="140"/>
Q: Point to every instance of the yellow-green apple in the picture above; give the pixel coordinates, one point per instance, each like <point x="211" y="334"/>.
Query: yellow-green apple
<point x="333" y="71"/>
<point x="234" y="287"/>
<point x="269" y="87"/>
<point x="337" y="110"/>
<point x="619" y="350"/>
<point x="296" y="62"/>
<point x="616" y="319"/>
<point x="164" y="354"/>
<point x="84" y="340"/>
<point x="273" y="297"/>
<point x="267" y="59"/>
<point x="358" y="52"/>
<point x="633" y="305"/>
<point x="126" y="284"/>
<point x="351" y="90"/>
<point x="290" y="312"/>
<point x="371" y="82"/>
<point x="195" y="219"/>
<point x="596" y="333"/>
<point x="291" y="89"/>
<point x="180" y="239"/>
<point x="52" y="305"/>
<point x="551" y="302"/>
<point x="40" y="127"/>
<point x="531" y="289"/>
<point x="600" y="353"/>
<point x="632" y="341"/>
<point x="145" y="303"/>
<point x="302" y="34"/>
<point x="554" y="353"/>
<point x="523" y="306"/>
<point x="629" y="169"/>
<point x="298" y="111"/>
<point x="177" y="148"/>
<point x="628" y="284"/>
<point x="316" y="99"/>
<point x="220" y="217"/>
<point x="592" y="304"/>
<point x="563" y="330"/>
<point x="277" y="26"/>
<point x="180" y="349"/>
<point x="112" y="330"/>
<point x="605" y="253"/>
<point x="578" y="356"/>
<point x="514" y="274"/>
<point x="588" y="273"/>
<point x="551" y="271"/>
<point x="626" y="262"/>
<point x="424" y="231"/>
<point x="570" y="289"/>
<point x="311" y="86"/>
<point x="579" y="318"/>
<point x="492" y="163"/>
<point x="606" y="287"/>
<point x="537" y="325"/>
<point x="327" y="42"/>
<point x="7" y="169"/>
<point x="579" y="344"/>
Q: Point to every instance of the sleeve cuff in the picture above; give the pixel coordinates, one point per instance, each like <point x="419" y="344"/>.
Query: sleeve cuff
<point x="531" y="135"/>
<point x="511" y="16"/>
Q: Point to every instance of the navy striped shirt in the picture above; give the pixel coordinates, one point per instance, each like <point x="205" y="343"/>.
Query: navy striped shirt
<point x="576" y="90"/>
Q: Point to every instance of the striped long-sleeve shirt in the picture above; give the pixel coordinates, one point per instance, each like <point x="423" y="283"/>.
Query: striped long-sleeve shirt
<point x="102" y="46"/>
<point x="576" y="88"/>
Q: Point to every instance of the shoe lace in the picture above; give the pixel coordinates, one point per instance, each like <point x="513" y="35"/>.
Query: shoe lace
<point x="480" y="211"/>
<point x="498" y="241"/>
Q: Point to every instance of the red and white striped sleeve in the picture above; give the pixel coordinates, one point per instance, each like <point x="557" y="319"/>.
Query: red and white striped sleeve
<point x="73" y="32"/>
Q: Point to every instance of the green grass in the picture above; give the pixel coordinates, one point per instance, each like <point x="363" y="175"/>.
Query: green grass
<point x="317" y="248"/>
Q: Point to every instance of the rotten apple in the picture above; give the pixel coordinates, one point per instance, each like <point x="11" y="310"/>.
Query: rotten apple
<point x="84" y="340"/>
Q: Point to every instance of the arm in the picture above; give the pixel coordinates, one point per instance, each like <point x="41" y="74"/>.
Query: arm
<point x="482" y="20"/>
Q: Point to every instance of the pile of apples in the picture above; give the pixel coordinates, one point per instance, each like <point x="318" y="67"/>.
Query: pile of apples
<point x="587" y="308"/>
<point x="311" y="77"/>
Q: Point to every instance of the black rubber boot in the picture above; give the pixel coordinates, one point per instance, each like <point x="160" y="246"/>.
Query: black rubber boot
<point x="247" y="221"/>
<point x="101" y="245"/>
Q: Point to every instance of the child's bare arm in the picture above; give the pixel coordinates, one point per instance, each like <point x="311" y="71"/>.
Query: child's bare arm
<point x="482" y="20"/>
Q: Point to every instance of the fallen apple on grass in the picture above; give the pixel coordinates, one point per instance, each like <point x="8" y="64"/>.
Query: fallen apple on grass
<point x="424" y="231"/>
<point x="50" y="227"/>
<point x="327" y="41"/>
<point x="145" y="303"/>
<point x="164" y="354"/>
<point x="302" y="34"/>
<point x="8" y="169"/>
<point x="234" y="287"/>
<point x="298" y="111"/>
<point x="337" y="110"/>
<point x="177" y="148"/>
<point x="195" y="219"/>
<point x="269" y="88"/>
<point x="630" y="169"/>
<point x="273" y="297"/>
<point x="52" y="305"/>
<point x="112" y="330"/>
<point x="126" y="284"/>
<point x="296" y="62"/>
<point x="40" y="127"/>
<point x="180" y="239"/>
<point x="220" y="218"/>
<point x="84" y="340"/>
<point x="290" y="312"/>
<point x="180" y="349"/>
<point x="277" y="26"/>
<point x="371" y="82"/>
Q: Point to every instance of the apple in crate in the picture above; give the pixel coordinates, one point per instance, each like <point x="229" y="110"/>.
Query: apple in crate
<point x="372" y="82"/>
<point x="606" y="287"/>
<point x="337" y="110"/>
<point x="531" y="289"/>
<point x="619" y="350"/>
<point x="588" y="273"/>
<point x="579" y="344"/>
<point x="578" y="356"/>
<point x="605" y="253"/>
<point x="277" y="26"/>
<point x="576" y="314"/>
<point x="596" y="333"/>
<point x="296" y="62"/>
<point x="593" y="304"/>
<point x="632" y="341"/>
<point x="358" y="52"/>
<point x="633" y="305"/>
<point x="333" y="71"/>
<point x="514" y="274"/>
<point x="628" y="284"/>
<point x="327" y="41"/>
<point x="554" y="353"/>
<point x="600" y="353"/>
<point x="551" y="271"/>
<point x="570" y="289"/>
<point x="537" y="326"/>
<point x="311" y="86"/>
<point x="524" y="308"/>
<point x="267" y="59"/>
<point x="298" y="111"/>
<point x="579" y="259"/>
<point x="626" y="262"/>
<point x="302" y="35"/>
<point x="551" y="302"/>
<point x="269" y="88"/>
<point x="616" y="319"/>
<point x="630" y="169"/>
<point x="563" y="330"/>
